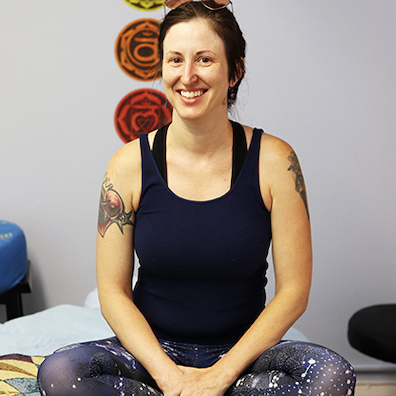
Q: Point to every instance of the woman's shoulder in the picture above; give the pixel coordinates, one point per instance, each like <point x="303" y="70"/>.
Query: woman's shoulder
<point x="126" y="157"/>
<point x="274" y="147"/>
<point x="124" y="171"/>
<point x="271" y="147"/>
<point x="276" y="156"/>
<point x="129" y="155"/>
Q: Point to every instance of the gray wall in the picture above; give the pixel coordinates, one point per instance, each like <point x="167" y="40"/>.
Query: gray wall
<point x="320" y="75"/>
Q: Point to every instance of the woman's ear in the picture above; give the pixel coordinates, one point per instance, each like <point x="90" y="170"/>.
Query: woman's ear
<point x="240" y="72"/>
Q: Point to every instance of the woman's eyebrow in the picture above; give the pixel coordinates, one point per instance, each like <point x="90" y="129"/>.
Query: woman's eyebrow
<point x="172" y="52"/>
<point x="206" y="52"/>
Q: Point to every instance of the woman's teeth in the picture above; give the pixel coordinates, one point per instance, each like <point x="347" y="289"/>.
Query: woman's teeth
<point x="191" y="95"/>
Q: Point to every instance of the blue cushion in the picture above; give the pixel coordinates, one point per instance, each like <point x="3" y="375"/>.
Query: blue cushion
<point x="13" y="255"/>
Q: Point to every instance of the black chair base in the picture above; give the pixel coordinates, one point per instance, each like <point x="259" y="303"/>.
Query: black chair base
<point x="13" y="298"/>
<point x="372" y="331"/>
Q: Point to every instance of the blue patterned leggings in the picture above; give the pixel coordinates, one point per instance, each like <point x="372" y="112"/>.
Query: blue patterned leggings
<point x="105" y="367"/>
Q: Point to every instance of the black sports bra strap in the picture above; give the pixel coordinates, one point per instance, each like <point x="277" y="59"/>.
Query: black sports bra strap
<point x="159" y="151"/>
<point x="239" y="150"/>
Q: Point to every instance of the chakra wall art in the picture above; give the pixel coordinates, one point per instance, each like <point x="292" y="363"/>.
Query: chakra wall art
<point x="146" y="5"/>
<point x="136" y="52"/>
<point x="141" y="111"/>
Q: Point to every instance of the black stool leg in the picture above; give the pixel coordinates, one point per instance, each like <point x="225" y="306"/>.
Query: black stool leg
<point x="14" y="306"/>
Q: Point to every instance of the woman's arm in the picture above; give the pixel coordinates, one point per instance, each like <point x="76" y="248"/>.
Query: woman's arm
<point x="283" y="191"/>
<point x="118" y="203"/>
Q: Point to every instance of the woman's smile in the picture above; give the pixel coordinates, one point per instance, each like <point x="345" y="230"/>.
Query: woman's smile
<point x="192" y="94"/>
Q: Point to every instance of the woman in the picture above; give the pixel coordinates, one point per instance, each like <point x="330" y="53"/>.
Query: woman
<point x="200" y="200"/>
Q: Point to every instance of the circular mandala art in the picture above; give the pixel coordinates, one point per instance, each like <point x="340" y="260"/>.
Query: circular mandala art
<point x="146" y="5"/>
<point x="141" y="111"/>
<point x="136" y="50"/>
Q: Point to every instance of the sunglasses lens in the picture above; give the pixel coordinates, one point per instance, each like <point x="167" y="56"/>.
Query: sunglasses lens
<point x="212" y="4"/>
<point x="216" y="4"/>
<point x="175" y="3"/>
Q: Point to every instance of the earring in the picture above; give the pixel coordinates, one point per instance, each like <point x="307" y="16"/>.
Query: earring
<point x="231" y="95"/>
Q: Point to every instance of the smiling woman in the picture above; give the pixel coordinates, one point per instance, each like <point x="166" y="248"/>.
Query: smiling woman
<point x="201" y="201"/>
<point x="193" y="71"/>
<point x="224" y="26"/>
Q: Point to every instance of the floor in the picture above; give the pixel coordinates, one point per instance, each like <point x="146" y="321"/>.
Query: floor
<point x="376" y="384"/>
<point x="367" y="389"/>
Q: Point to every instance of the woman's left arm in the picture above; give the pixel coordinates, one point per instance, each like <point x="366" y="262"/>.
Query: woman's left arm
<point x="283" y="190"/>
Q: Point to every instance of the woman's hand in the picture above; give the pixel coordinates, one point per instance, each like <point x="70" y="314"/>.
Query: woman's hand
<point x="198" y="382"/>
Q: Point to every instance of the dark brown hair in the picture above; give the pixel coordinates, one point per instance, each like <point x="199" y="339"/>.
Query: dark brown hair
<point x="224" y="24"/>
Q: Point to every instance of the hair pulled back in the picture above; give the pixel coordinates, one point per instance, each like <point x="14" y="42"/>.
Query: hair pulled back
<point x="224" y="24"/>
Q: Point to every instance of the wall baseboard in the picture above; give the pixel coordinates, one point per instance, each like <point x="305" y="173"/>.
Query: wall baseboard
<point x="376" y="383"/>
<point x="375" y="389"/>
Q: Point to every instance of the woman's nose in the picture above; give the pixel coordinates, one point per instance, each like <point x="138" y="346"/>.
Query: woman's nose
<point x="189" y="74"/>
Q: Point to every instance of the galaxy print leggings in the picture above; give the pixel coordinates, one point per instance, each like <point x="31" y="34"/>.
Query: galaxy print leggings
<point x="105" y="368"/>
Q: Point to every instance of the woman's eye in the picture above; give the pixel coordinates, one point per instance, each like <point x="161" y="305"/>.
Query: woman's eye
<point x="175" y="61"/>
<point x="205" y="60"/>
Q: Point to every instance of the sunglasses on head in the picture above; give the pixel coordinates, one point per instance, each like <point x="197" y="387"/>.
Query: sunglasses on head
<point x="211" y="4"/>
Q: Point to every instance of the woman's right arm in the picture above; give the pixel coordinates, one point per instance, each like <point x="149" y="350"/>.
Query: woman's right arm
<point x="114" y="266"/>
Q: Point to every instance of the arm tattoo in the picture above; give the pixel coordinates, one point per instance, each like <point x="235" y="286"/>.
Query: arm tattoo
<point x="300" y="185"/>
<point x="112" y="209"/>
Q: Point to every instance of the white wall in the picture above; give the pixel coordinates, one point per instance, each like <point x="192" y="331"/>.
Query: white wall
<point x="320" y="75"/>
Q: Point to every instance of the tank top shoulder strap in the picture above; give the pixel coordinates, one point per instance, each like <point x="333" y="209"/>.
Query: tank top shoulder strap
<point x="159" y="151"/>
<point x="150" y="173"/>
<point x="249" y="175"/>
<point x="239" y="150"/>
<point x="256" y="140"/>
<point x="254" y="148"/>
<point x="144" y="145"/>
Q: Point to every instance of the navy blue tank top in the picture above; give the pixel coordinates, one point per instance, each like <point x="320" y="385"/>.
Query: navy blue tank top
<point x="202" y="263"/>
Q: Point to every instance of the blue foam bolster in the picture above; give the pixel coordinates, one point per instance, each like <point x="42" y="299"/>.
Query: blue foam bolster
<point x="13" y="255"/>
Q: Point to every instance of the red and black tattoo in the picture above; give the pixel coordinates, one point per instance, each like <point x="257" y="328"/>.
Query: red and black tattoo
<point x="112" y="209"/>
<point x="300" y="185"/>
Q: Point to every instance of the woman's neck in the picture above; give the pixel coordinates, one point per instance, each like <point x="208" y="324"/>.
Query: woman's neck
<point x="200" y="137"/>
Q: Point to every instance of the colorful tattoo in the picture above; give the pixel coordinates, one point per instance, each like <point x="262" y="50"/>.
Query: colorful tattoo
<point x="300" y="185"/>
<point x="112" y="209"/>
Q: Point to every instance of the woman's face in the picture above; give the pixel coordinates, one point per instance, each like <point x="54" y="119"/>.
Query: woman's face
<point x="195" y="70"/>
